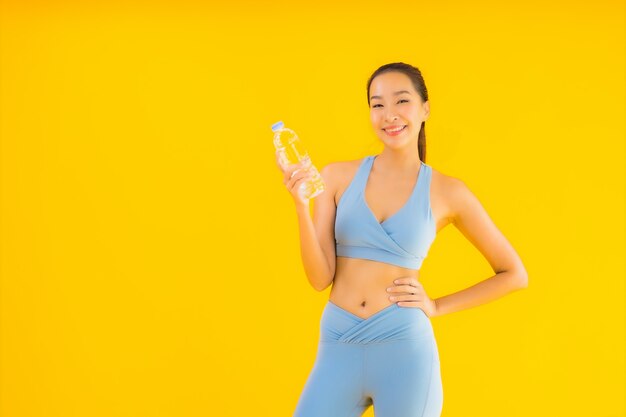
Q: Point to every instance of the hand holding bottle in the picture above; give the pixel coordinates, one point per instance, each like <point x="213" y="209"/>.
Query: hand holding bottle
<point x="291" y="154"/>
<point x="293" y="176"/>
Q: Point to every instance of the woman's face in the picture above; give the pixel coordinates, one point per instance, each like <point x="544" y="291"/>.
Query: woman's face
<point x="390" y="109"/>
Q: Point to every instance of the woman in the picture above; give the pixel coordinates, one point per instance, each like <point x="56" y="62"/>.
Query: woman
<point x="371" y="229"/>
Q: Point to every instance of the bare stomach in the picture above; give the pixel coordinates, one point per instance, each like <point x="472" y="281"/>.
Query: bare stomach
<point x="360" y="285"/>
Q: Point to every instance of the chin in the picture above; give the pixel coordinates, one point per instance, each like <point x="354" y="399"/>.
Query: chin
<point x="396" y="145"/>
<point x="397" y="140"/>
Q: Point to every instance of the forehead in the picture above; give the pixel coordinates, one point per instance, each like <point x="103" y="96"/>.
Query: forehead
<point x="385" y="85"/>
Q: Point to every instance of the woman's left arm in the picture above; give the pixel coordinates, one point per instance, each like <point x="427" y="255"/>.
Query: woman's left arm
<point x="469" y="216"/>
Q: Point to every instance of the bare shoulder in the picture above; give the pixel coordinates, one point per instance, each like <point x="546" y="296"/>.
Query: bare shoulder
<point x="445" y="183"/>
<point x="446" y="193"/>
<point x="452" y="194"/>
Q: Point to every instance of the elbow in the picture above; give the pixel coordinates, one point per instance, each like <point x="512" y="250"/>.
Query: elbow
<point x="322" y="287"/>
<point x="521" y="279"/>
<point x="516" y="276"/>
<point x="319" y="287"/>
<point x="325" y="283"/>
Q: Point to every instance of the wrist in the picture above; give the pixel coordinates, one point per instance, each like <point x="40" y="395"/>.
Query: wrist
<point x="302" y="208"/>
<point x="435" y="308"/>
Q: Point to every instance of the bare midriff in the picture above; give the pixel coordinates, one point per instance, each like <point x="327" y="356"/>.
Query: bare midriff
<point x="360" y="285"/>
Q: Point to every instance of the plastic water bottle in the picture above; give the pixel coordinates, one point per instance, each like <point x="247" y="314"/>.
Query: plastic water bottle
<point x="291" y="151"/>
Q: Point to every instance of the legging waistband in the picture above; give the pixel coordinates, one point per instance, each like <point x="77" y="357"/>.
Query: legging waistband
<point x="389" y="324"/>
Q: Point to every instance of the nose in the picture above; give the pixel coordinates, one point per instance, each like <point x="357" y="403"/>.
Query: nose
<point x="390" y="117"/>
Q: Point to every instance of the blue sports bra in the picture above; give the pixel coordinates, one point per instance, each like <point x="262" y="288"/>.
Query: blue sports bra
<point x="402" y="239"/>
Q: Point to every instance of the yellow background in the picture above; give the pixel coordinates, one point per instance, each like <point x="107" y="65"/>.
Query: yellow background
<point x="150" y="262"/>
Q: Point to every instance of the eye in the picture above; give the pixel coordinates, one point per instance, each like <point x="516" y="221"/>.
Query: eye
<point x="374" y="106"/>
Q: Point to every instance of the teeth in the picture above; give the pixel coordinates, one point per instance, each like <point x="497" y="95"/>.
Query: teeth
<point x="395" y="130"/>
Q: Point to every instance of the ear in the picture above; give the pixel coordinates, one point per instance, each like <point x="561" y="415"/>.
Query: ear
<point x="426" y="109"/>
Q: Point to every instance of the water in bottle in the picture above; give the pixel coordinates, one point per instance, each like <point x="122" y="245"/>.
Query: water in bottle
<point x="291" y="151"/>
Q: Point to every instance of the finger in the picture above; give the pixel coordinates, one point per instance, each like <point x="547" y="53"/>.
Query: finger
<point x="398" y="288"/>
<point x="407" y="288"/>
<point x="407" y="293"/>
<point x="291" y="183"/>
<point x="289" y="173"/>
<point x="298" y="173"/>
<point x="408" y="281"/>
<point x="290" y="169"/>
<point x="295" y="185"/>
<point x="412" y="298"/>
<point x="413" y="288"/>
<point x="297" y="179"/>
<point x="295" y="172"/>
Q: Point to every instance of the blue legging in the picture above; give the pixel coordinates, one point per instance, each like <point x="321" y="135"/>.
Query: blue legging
<point x="389" y="360"/>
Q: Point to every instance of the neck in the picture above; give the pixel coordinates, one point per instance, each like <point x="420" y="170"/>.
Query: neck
<point x="399" y="161"/>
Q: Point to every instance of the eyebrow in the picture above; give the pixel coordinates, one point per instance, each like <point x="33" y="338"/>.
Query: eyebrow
<point x="395" y="94"/>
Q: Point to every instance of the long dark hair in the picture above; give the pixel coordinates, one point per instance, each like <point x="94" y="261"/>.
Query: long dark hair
<point x="418" y="83"/>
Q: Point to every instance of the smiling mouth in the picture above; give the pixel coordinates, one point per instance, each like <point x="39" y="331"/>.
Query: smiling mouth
<point x="394" y="132"/>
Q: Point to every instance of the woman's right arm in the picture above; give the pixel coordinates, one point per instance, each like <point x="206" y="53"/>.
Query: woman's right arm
<point x="317" y="237"/>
